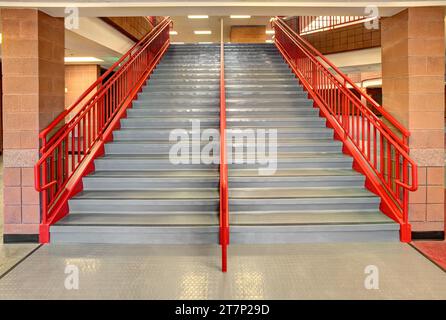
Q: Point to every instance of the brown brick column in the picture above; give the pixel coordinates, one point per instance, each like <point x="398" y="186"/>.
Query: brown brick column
<point x="33" y="95"/>
<point x="413" y="66"/>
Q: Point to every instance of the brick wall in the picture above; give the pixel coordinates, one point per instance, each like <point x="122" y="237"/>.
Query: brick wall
<point x="77" y="79"/>
<point x="342" y="39"/>
<point x="248" y="34"/>
<point x="133" y="27"/>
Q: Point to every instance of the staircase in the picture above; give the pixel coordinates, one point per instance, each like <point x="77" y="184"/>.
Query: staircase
<point x="314" y="194"/>
<point x="136" y="195"/>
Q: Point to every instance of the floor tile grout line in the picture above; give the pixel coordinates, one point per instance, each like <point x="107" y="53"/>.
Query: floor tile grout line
<point x="427" y="257"/>
<point x="19" y="262"/>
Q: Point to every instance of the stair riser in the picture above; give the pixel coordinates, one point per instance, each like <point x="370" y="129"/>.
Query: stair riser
<point x="126" y="135"/>
<point x="245" y="235"/>
<point x="148" y="235"/>
<point x="111" y="206"/>
<point x="132" y="165"/>
<point x="94" y="183"/>
<point x="154" y="87"/>
<point x="233" y="103"/>
<point x="112" y="183"/>
<point x="190" y="112"/>
<point x="231" y="123"/>
<point x="155" y="148"/>
<point x="294" y="205"/>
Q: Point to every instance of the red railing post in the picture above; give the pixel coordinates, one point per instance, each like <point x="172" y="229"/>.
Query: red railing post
<point x="224" y="197"/>
<point x="83" y="128"/>
<point x="348" y="117"/>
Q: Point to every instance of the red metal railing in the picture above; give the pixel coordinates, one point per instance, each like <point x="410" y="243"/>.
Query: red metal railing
<point x="224" y="202"/>
<point x="77" y="136"/>
<point x="312" y="24"/>
<point x="378" y="152"/>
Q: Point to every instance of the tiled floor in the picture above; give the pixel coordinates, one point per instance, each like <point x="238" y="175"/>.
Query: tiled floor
<point x="304" y="271"/>
<point x="10" y="254"/>
<point x="316" y="271"/>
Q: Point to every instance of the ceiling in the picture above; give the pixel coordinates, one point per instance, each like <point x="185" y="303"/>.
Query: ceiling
<point x="185" y="27"/>
<point x="221" y="7"/>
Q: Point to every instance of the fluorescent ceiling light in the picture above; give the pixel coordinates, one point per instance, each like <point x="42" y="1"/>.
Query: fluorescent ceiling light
<point x="206" y="42"/>
<point x="203" y="32"/>
<point x="269" y="41"/>
<point x="269" y="32"/>
<point x="177" y="43"/>
<point x="82" y="59"/>
<point x="239" y="16"/>
<point x="197" y="16"/>
<point x="173" y="33"/>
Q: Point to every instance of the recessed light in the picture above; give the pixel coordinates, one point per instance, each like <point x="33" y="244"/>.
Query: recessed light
<point x="269" y="32"/>
<point x="203" y="32"/>
<point x="173" y="33"/>
<point x="239" y="16"/>
<point x="197" y="16"/>
<point x="269" y="41"/>
<point x="82" y="59"/>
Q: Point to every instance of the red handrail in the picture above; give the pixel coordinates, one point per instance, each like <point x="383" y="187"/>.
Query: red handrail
<point x="314" y="53"/>
<point x="69" y="153"/>
<point x="224" y="202"/>
<point x="378" y="152"/>
<point x="312" y="24"/>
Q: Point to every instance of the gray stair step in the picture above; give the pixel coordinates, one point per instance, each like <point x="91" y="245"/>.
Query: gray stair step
<point x="161" y="162"/>
<point x="328" y="233"/>
<point x="119" y="234"/>
<point x="154" y="147"/>
<point x="304" y="203"/>
<point x="143" y="206"/>
<point x="125" y="219"/>
<point x="113" y="182"/>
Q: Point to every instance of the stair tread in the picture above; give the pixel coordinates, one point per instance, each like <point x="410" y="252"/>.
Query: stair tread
<point x="212" y="219"/>
<point x="167" y="193"/>
<point x="234" y="193"/>
<point x="233" y="173"/>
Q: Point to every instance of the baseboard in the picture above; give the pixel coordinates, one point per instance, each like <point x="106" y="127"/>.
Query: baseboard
<point x="20" y="238"/>
<point x="427" y="235"/>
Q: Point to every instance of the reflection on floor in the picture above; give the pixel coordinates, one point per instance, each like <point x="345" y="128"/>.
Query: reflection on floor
<point x="303" y="271"/>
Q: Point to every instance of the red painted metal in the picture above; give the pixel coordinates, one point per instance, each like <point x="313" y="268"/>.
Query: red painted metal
<point x="77" y="136"/>
<point x="378" y="145"/>
<point x="224" y="198"/>
<point x="312" y="24"/>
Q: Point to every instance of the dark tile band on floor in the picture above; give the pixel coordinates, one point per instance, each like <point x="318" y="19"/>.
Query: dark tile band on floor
<point x="299" y="271"/>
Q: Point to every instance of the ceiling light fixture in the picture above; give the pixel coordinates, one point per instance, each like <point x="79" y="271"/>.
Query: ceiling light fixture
<point x="269" y="32"/>
<point x="239" y="16"/>
<point x="205" y="42"/>
<point x="269" y="41"/>
<point x="203" y="32"/>
<point x="82" y="59"/>
<point x="173" y="33"/>
<point x="198" y="16"/>
<point x="177" y="43"/>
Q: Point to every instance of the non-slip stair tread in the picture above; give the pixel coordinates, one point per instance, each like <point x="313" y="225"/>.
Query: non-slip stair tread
<point x="167" y="193"/>
<point x="309" y="218"/>
<point x="128" y="219"/>
<point x="301" y="192"/>
<point x="168" y="174"/>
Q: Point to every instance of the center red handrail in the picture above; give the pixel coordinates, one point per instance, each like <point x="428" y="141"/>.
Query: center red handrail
<point x="224" y="202"/>
<point x="81" y="131"/>
<point x="378" y="152"/>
